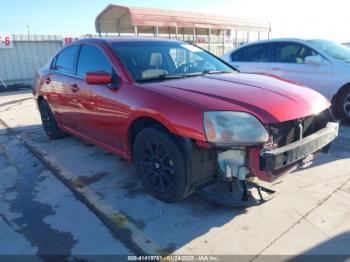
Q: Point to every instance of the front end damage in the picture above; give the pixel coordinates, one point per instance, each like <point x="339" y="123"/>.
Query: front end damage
<point x="292" y="144"/>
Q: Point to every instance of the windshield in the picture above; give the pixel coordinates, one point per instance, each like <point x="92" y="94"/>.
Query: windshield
<point x="160" y="60"/>
<point x="333" y="49"/>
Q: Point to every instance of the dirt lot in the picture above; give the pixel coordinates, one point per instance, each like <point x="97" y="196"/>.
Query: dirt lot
<point x="309" y="215"/>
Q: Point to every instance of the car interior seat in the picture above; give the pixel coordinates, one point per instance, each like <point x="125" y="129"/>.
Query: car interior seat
<point x="155" y="66"/>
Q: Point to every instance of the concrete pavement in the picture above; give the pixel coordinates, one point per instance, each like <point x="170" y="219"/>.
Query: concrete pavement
<point x="39" y="215"/>
<point x="309" y="215"/>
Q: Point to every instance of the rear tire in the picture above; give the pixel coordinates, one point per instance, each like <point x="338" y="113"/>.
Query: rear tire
<point x="343" y="104"/>
<point x="160" y="164"/>
<point x="49" y="122"/>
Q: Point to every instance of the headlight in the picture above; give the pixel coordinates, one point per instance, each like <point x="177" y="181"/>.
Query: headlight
<point x="233" y="128"/>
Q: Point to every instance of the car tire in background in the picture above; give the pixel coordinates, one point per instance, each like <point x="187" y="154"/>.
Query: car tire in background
<point x="161" y="165"/>
<point x="343" y="104"/>
<point x="49" y="122"/>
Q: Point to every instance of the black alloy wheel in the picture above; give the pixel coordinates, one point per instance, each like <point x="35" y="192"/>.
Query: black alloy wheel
<point x="49" y="122"/>
<point x="346" y="106"/>
<point x="160" y="164"/>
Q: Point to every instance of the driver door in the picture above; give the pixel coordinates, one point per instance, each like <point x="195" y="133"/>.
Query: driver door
<point x="104" y="112"/>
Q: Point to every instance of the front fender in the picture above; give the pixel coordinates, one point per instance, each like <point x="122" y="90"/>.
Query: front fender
<point x="175" y="125"/>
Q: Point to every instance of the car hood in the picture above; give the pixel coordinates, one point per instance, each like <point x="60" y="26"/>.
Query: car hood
<point x="270" y="99"/>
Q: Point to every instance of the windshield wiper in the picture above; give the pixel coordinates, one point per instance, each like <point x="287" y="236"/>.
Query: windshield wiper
<point x="160" y="77"/>
<point x="167" y="77"/>
<point x="212" y="72"/>
<point x="206" y="72"/>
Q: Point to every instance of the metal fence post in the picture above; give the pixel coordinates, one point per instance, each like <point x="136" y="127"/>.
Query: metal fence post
<point x="118" y="27"/>
<point x="209" y="39"/>
<point x="156" y="31"/>
<point x="236" y="38"/>
<point x="194" y="35"/>
<point x="223" y="41"/>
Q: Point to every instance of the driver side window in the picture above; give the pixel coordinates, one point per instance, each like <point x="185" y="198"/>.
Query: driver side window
<point x="92" y="59"/>
<point x="292" y="53"/>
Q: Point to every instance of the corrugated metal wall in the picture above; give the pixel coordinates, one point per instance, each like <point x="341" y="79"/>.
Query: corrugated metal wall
<point x="30" y="52"/>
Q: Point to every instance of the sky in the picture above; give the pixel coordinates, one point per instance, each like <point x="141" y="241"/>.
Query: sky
<point x="294" y="18"/>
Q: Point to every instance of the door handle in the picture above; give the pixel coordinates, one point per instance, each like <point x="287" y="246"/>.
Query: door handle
<point x="48" y="80"/>
<point x="237" y="66"/>
<point x="275" y="68"/>
<point x="74" y="88"/>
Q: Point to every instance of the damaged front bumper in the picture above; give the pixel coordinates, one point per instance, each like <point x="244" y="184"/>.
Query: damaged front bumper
<point x="237" y="165"/>
<point x="275" y="159"/>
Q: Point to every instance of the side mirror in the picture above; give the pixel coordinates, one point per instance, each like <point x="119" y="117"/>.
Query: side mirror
<point x="313" y="60"/>
<point x="98" y="78"/>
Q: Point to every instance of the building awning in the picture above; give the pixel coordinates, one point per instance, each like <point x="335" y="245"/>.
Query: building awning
<point x="123" y="19"/>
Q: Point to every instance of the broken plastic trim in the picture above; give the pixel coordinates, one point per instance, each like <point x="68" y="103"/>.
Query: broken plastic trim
<point x="236" y="194"/>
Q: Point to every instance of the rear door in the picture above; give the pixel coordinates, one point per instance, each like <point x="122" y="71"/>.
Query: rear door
<point x="252" y="58"/>
<point x="288" y="61"/>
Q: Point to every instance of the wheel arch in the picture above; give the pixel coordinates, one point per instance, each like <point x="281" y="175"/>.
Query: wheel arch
<point x="144" y="121"/>
<point x="200" y="162"/>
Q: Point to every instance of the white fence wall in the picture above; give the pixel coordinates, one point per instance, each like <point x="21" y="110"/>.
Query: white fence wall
<point x="18" y="64"/>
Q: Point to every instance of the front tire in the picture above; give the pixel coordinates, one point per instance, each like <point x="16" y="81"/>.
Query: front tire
<point x="343" y="105"/>
<point x="161" y="165"/>
<point x="49" y="122"/>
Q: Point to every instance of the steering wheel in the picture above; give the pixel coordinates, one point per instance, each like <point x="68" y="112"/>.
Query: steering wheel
<point x="185" y="68"/>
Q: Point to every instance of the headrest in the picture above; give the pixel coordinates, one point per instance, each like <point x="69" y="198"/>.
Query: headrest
<point x="156" y="59"/>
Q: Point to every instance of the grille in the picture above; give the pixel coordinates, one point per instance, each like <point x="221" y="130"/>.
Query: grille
<point x="288" y="132"/>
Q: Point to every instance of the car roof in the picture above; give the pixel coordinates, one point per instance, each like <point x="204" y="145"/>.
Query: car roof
<point x="273" y="40"/>
<point x="284" y="39"/>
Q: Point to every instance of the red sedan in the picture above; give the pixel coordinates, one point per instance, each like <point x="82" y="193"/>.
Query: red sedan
<point x="186" y="118"/>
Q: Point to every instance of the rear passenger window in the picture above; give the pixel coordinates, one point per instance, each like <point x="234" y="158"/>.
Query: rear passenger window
<point x="92" y="59"/>
<point x="255" y="53"/>
<point x="64" y="62"/>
